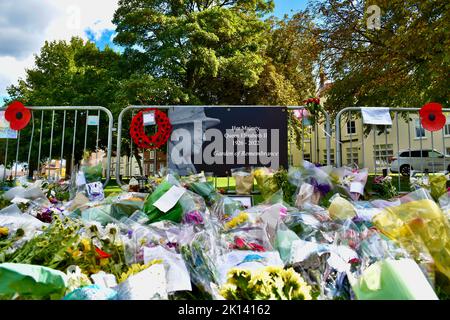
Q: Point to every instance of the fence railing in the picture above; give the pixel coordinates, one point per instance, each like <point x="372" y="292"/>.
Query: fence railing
<point x="57" y="132"/>
<point x="321" y="125"/>
<point x="63" y="133"/>
<point x="401" y="148"/>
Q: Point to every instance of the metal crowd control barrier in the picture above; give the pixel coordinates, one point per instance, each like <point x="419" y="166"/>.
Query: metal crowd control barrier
<point x="129" y="166"/>
<point x="314" y="153"/>
<point x="73" y="120"/>
<point x="398" y="139"/>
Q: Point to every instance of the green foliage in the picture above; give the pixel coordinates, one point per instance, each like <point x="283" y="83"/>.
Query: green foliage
<point x="175" y="53"/>
<point x="219" y="52"/>
<point x="74" y="73"/>
<point x="404" y="64"/>
<point x="280" y="179"/>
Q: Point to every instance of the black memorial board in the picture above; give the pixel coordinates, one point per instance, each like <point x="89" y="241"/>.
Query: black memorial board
<point x="218" y="139"/>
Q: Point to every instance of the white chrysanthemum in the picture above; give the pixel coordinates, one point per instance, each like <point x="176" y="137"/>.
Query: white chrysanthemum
<point x="76" y="279"/>
<point x="112" y="231"/>
<point x="93" y="229"/>
<point x="112" y="228"/>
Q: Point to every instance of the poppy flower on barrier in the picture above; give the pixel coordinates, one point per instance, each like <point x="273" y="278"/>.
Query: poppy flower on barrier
<point x="18" y="115"/>
<point x="431" y="117"/>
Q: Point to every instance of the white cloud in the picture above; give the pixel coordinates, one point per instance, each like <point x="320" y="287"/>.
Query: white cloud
<point x="26" y="24"/>
<point x="22" y="30"/>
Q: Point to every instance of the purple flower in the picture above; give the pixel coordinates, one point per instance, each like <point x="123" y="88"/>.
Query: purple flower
<point x="172" y="244"/>
<point x="193" y="217"/>
<point x="323" y="188"/>
<point x="45" y="216"/>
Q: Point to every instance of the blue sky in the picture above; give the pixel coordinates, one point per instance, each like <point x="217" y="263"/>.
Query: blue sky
<point x="283" y="7"/>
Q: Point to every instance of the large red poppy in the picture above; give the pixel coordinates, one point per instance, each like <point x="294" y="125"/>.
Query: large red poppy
<point x="17" y="115"/>
<point x="432" y="117"/>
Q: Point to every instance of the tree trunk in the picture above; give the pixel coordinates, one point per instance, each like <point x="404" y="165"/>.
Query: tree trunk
<point x="138" y="159"/>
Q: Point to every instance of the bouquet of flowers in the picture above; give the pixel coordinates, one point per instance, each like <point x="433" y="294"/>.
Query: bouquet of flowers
<point x="436" y="184"/>
<point x="244" y="180"/>
<point x="92" y="167"/>
<point x="352" y="180"/>
<point x="313" y="183"/>
<point x="56" y="191"/>
<point x="269" y="283"/>
<point x="313" y="108"/>
<point x="199" y="255"/>
<point x="384" y="187"/>
<point x="265" y="182"/>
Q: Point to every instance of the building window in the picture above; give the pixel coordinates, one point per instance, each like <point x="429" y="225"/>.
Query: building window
<point x="447" y="128"/>
<point x="382" y="154"/>
<point x="331" y="156"/>
<point x="152" y="154"/>
<point x="418" y="130"/>
<point x="152" y="168"/>
<point x="352" y="155"/>
<point x="351" y="127"/>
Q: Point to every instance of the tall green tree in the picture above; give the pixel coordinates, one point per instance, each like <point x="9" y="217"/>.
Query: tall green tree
<point x="291" y="57"/>
<point x="213" y="51"/>
<point x="74" y="73"/>
<point x="404" y="63"/>
<point x="218" y="52"/>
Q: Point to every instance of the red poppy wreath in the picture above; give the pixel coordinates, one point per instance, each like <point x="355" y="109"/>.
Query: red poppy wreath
<point x="17" y="115"/>
<point x="159" y="138"/>
<point x="432" y="117"/>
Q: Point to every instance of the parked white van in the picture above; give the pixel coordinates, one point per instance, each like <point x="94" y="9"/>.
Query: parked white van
<point x="431" y="160"/>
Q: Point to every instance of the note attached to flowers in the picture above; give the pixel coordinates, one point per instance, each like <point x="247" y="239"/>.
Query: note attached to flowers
<point x="146" y="285"/>
<point x="357" y="187"/>
<point x="169" y="199"/>
<point x="178" y="278"/>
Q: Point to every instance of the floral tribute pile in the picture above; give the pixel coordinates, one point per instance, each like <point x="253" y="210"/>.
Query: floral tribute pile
<point x="317" y="235"/>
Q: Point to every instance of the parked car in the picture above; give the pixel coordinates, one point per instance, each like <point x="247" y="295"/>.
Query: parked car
<point x="431" y="160"/>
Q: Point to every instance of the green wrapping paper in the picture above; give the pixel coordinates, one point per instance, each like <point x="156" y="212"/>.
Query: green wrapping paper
<point x="125" y="209"/>
<point x="93" y="173"/>
<point x="206" y="190"/>
<point x="393" y="280"/>
<point x="31" y="281"/>
<point x="283" y="243"/>
<point x="154" y="214"/>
